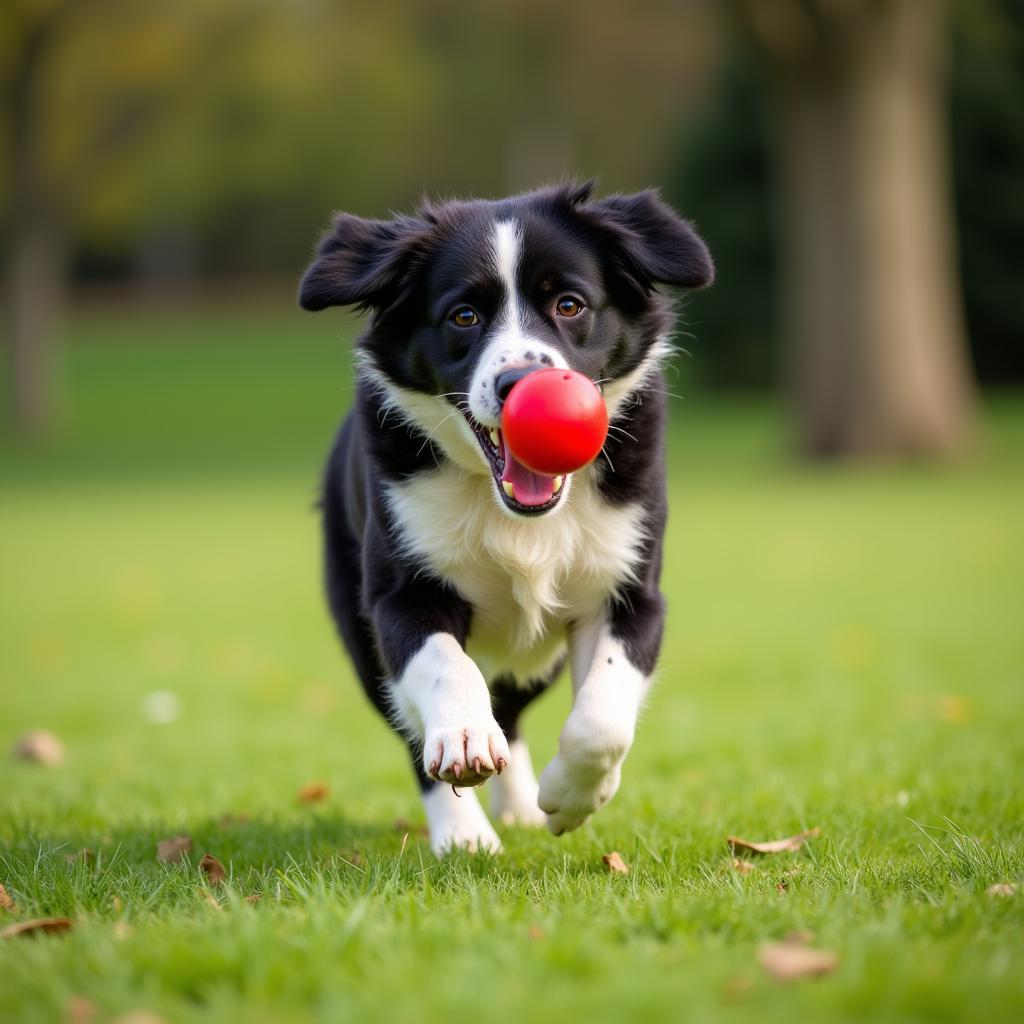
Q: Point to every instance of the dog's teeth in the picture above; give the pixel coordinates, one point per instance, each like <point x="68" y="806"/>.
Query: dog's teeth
<point x="509" y="489"/>
<point x="494" y="438"/>
<point x="559" y="480"/>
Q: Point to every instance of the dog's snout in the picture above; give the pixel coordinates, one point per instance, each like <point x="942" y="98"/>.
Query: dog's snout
<point x="508" y="379"/>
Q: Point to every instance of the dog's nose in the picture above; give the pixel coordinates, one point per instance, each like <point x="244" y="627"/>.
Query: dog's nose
<point x="508" y="379"/>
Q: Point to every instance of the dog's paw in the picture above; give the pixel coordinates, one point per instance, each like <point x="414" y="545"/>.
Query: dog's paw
<point x="466" y="754"/>
<point x="457" y="822"/>
<point x="514" y="795"/>
<point x="568" y="798"/>
<point x="585" y="773"/>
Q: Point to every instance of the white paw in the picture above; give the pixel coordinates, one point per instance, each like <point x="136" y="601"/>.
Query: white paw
<point x="457" y="821"/>
<point x="568" y="799"/>
<point x="467" y="753"/>
<point x="514" y="795"/>
<point x="585" y="773"/>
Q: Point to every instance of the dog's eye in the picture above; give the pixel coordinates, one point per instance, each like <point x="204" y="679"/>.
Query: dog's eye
<point x="464" y="317"/>
<point x="568" y="306"/>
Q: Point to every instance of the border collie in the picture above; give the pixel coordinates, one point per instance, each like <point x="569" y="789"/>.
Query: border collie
<point x="461" y="581"/>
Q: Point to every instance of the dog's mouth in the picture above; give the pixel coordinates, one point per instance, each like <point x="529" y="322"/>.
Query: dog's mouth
<point x="523" y="491"/>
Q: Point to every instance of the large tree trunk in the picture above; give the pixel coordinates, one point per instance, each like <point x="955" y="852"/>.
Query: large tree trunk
<point x="36" y="294"/>
<point x="36" y="260"/>
<point x="875" y="339"/>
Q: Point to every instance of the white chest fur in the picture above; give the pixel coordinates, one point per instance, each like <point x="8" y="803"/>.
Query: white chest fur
<point x="525" y="578"/>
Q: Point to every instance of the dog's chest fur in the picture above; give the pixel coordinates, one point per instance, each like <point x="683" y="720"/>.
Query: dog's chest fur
<point x="525" y="579"/>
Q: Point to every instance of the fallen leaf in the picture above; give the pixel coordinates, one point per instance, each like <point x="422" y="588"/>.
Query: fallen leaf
<point x="401" y="825"/>
<point x="227" y="820"/>
<point x="773" y="845"/>
<point x="742" y="867"/>
<point x="790" y="961"/>
<point x="1001" y="889"/>
<point x="172" y="850"/>
<point x="6" y="903"/>
<point x="138" y="1017"/>
<point x="615" y="864"/>
<point x="85" y="855"/>
<point x="80" y="1010"/>
<point x="782" y="886"/>
<point x="211" y="899"/>
<point x="254" y="897"/>
<point x="213" y="869"/>
<point x="40" y="747"/>
<point x="737" y="987"/>
<point x="50" y="925"/>
<point x="954" y="709"/>
<point x="313" y="793"/>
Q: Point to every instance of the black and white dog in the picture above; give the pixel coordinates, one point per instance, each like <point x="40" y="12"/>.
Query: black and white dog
<point x="459" y="579"/>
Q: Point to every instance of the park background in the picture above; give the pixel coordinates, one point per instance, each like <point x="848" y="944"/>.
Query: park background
<point x="844" y="558"/>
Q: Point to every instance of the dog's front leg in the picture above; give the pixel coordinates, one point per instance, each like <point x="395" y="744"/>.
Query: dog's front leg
<point x="441" y="698"/>
<point x="611" y="665"/>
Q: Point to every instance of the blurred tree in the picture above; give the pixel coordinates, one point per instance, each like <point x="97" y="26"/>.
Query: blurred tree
<point x="83" y="83"/>
<point x="873" y="320"/>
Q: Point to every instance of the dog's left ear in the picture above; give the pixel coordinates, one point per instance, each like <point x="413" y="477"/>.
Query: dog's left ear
<point x="368" y="264"/>
<point x="651" y="242"/>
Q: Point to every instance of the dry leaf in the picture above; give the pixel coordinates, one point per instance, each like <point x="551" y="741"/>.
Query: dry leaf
<point x="254" y="897"/>
<point x="789" y="961"/>
<point x="401" y="825"/>
<point x="80" y="1010"/>
<point x="742" y="867"/>
<point x="227" y="820"/>
<point x="6" y="903"/>
<point x="51" y="925"/>
<point x="212" y="869"/>
<point x="313" y="793"/>
<point x="172" y="850"/>
<point x="1001" y="889"/>
<point x="211" y="899"/>
<point x="85" y="854"/>
<point x="40" y="747"/>
<point x="773" y="845"/>
<point x="782" y="886"/>
<point x="615" y="864"/>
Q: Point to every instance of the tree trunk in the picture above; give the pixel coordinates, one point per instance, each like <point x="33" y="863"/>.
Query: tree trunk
<point x="36" y="295"/>
<point x="876" y="353"/>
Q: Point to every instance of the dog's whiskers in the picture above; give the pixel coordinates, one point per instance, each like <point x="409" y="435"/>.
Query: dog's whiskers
<point x="436" y="428"/>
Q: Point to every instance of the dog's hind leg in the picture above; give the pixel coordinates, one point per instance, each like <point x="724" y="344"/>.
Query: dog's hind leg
<point x="514" y="792"/>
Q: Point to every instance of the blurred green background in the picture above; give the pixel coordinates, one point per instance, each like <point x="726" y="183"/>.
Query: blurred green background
<point x="844" y="556"/>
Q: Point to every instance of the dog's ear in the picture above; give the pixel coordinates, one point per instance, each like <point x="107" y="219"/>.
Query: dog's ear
<point x="650" y="243"/>
<point x="364" y="263"/>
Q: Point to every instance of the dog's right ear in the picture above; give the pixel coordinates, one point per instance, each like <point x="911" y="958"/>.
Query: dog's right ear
<point x="364" y="263"/>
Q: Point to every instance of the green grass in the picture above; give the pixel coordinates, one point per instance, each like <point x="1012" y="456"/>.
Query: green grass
<point x="844" y="651"/>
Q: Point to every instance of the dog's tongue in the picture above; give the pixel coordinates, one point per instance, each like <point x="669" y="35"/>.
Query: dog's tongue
<point x="530" y="488"/>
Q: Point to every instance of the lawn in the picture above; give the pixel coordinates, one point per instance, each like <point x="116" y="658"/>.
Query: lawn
<point x="844" y="652"/>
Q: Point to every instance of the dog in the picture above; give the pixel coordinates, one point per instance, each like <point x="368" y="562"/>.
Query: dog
<point x="460" y="581"/>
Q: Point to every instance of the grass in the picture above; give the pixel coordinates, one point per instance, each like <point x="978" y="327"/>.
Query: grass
<point x="844" y="651"/>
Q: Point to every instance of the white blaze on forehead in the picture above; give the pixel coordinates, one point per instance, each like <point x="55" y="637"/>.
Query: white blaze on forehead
<point x="509" y="345"/>
<point x="507" y="244"/>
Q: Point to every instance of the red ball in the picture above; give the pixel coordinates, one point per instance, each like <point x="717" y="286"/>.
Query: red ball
<point x="554" y="421"/>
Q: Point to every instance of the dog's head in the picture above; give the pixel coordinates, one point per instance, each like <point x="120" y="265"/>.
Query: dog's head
<point x="469" y="296"/>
